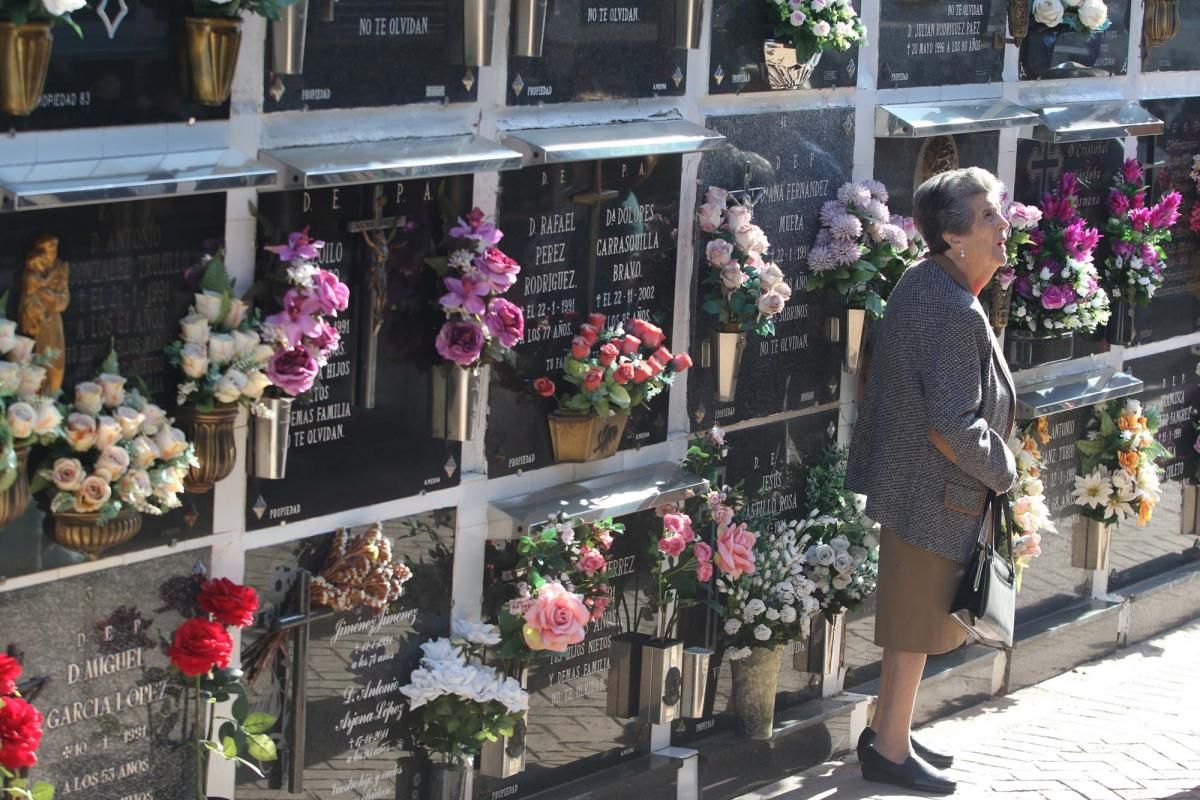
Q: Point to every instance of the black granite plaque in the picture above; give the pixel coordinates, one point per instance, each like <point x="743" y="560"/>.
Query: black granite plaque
<point x="94" y="654"/>
<point x="590" y="236"/>
<point x="1053" y="54"/>
<point x="126" y="264"/>
<point x="357" y="739"/>
<point x="938" y="42"/>
<point x="798" y="367"/>
<point x="601" y="50"/>
<point x="1175" y="308"/>
<point x="569" y="732"/>
<point x="736" y="56"/>
<point x="377" y="53"/>
<point x="904" y="164"/>
<point x="136" y="76"/>
<point x="344" y="455"/>
<point x="1179" y="53"/>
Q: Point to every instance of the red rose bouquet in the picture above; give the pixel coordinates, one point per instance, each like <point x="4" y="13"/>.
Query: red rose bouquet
<point x="20" y="737"/>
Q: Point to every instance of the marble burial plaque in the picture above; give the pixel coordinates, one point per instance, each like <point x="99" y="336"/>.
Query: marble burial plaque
<point x="800" y="158"/>
<point x="344" y="455"/>
<point x="601" y="50"/>
<point x="765" y="459"/>
<point x="590" y="236"/>
<point x="126" y="265"/>
<point x="1051" y="54"/>
<point x="939" y="42"/>
<point x="357" y="740"/>
<point x="736" y="56"/>
<point x="93" y="649"/>
<point x="377" y="53"/>
<point x="1180" y="52"/>
<point x="1175" y="308"/>
<point x="904" y="164"/>
<point x="569" y="733"/>
<point x="1172" y="386"/>
<point x="135" y="76"/>
<point x="1051" y="581"/>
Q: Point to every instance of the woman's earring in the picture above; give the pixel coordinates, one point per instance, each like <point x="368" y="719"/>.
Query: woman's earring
<point x="962" y="253"/>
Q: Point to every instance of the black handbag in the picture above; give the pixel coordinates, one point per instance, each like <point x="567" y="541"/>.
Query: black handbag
<point x="986" y="602"/>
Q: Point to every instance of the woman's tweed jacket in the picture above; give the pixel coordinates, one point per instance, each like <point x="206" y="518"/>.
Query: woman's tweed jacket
<point x="935" y="365"/>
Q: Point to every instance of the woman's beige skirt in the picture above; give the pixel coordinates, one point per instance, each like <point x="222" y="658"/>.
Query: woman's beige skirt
<point x="916" y="588"/>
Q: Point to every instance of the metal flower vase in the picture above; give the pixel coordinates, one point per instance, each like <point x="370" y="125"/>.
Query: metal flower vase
<point x="823" y="652"/>
<point x="1018" y="20"/>
<point x="728" y="347"/>
<point x="479" y="22"/>
<point x="755" y="678"/>
<point x="1160" y="22"/>
<point x="661" y="681"/>
<point x="625" y="674"/>
<point x="1000" y="306"/>
<point x="24" y="62"/>
<point x="1025" y="350"/>
<point x="857" y="332"/>
<point x="15" y="499"/>
<point x="212" y="53"/>
<point x="696" y="663"/>
<point x="453" y="400"/>
<point x="212" y="434"/>
<point x="450" y="781"/>
<point x="1189" y="518"/>
<point x="1090" y="545"/>
<point x="85" y="532"/>
<point x="578" y="438"/>
<point x="529" y="28"/>
<point x="505" y="757"/>
<point x="271" y="439"/>
<point x="783" y="69"/>
<point x="1121" y="329"/>
<point x="287" y="39"/>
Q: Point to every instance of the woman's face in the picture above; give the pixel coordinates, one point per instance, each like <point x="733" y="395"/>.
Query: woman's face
<point x="984" y="243"/>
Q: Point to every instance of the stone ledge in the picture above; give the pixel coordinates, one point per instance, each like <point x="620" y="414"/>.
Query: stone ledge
<point x="1163" y="602"/>
<point x="647" y="776"/>
<point x="1057" y="642"/>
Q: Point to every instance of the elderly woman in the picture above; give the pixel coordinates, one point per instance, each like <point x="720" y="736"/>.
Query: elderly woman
<point x="929" y="443"/>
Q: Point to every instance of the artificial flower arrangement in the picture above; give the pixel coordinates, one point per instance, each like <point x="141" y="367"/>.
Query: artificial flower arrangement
<point x="563" y="585"/>
<point x="682" y="563"/>
<point x="462" y="702"/>
<point x="1194" y="174"/>
<point x="1120" y="477"/>
<point x="1057" y="291"/>
<point x="20" y="737"/>
<point x="813" y="26"/>
<point x="481" y="326"/>
<point x="743" y="289"/>
<point x="612" y="371"/>
<point x="1030" y="512"/>
<point x="862" y="249"/>
<point x="1085" y="16"/>
<point x="201" y="648"/>
<point x="22" y="12"/>
<point x="120" y="457"/>
<point x="1133" y="270"/>
<point x="1021" y="220"/>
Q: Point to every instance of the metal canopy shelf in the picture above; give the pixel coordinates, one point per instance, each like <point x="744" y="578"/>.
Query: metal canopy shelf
<point x="595" y="498"/>
<point x="318" y="166"/>
<point x="1085" y="122"/>
<point x="920" y="120"/>
<point x="616" y="140"/>
<point x="1079" y="390"/>
<point x="65" y="183"/>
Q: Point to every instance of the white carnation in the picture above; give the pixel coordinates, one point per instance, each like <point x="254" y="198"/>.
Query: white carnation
<point x="732" y="626"/>
<point x="762" y="633"/>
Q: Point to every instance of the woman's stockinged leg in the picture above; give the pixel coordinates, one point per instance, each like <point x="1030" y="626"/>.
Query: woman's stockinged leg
<point x="899" y="679"/>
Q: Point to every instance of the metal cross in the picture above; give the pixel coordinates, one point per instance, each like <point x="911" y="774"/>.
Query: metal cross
<point x="595" y="197"/>
<point x="378" y="233"/>
<point x="748" y="195"/>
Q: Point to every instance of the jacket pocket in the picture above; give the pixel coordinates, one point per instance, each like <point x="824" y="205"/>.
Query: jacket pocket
<point x="964" y="499"/>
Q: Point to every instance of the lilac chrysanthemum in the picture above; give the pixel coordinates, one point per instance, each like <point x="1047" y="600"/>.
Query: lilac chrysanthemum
<point x="853" y="194"/>
<point x="845" y="253"/>
<point x="820" y="259"/>
<point x="878" y="211"/>
<point x="823" y="238"/>
<point x="845" y="228"/>
<point x="893" y="235"/>
<point x="830" y="210"/>
<point x="877" y="190"/>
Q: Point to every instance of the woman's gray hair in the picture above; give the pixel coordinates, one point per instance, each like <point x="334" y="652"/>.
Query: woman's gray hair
<point x="941" y="204"/>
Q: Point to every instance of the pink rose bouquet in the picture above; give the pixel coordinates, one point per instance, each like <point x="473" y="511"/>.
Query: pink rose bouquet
<point x="304" y="333"/>
<point x="813" y="26"/>
<point x="1057" y="290"/>
<point x="743" y="288"/>
<point x="481" y="327"/>
<point x="683" y="562"/>
<point x="1031" y="513"/>
<point x="1133" y="271"/>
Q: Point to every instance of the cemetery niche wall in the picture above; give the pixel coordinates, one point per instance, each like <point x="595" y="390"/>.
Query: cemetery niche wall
<point x="938" y="42"/>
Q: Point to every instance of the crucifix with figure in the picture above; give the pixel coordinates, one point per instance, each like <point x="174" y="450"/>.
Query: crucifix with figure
<point x="378" y="232"/>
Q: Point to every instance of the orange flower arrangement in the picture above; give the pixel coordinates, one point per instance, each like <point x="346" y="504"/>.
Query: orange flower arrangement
<point x="1120" y="476"/>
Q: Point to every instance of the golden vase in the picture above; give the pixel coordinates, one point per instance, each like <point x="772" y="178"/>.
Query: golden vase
<point x="85" y="533"/>
<point x="585" y="437"/>
<point x="212" y="53"/>
<point x="1018" y="20"/>
<point x="1160" y="23"/>
<point x="212" y="433"/>
<point x="15" y="499"/>
<point x="25" y="59"/>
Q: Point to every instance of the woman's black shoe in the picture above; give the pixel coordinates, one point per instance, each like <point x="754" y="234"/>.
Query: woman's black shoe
<point x="913" y="774"/>
<point x="931" y="757"/>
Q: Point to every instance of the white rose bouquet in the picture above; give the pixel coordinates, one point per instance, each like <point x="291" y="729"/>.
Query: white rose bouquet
<point x="462" y="702"/>
<point x="743" y="288"/>
<point x="1030" y="513"/>
<point x="220" y="349"/>
<point x="1084" y="16"/>
<point x="27" y="416"/>
<point x="118" y="451"/>
<point x="20" y="12"/>
<point x="813" y="26"/>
